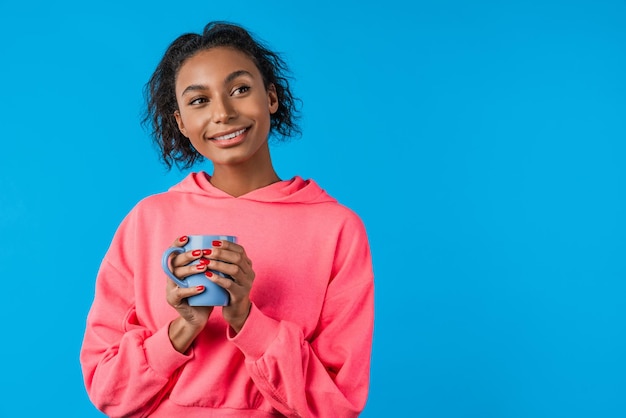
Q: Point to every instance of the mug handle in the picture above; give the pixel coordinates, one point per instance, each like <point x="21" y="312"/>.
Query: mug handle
<point x="166" y="265"/>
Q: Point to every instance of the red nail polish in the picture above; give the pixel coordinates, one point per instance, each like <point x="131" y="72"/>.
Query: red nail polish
<point x="183" y="238"/>
<point x="217" y="243"/>
<point x="207" y="252"/>
<point x="208" y="274"/>
<point x="200" y="266"/>
<point x="196" y="253"/>
<point x="199" y="288"/>
<point x="204" y="261"/>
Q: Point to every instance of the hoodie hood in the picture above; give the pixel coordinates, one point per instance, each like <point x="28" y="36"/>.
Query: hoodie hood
<point x="295" y="190"/>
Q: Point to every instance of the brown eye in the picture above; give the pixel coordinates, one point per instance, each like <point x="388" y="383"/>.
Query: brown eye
<point x="240" y="90"/>
<point x="199" y="100"/>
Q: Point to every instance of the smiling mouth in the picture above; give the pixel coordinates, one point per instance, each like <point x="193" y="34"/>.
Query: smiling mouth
<point x="230" y="135"/>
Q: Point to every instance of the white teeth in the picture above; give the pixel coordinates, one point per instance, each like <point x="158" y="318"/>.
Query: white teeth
<point x="230" y="136"/>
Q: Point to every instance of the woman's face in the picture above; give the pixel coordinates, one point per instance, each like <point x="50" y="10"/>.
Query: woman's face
<point x="224" y="107"/>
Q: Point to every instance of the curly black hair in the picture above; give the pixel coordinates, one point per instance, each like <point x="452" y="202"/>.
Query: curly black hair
<point x="160" y="91"/>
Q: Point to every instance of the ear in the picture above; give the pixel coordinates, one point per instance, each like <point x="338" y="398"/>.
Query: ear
<point x="272" y="99"/>
<point x="179" y="121"/>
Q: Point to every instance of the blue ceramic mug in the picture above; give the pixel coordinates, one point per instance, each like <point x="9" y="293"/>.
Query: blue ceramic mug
<point x="213" y="295"/>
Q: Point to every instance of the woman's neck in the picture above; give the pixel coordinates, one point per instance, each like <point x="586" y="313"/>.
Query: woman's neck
<point x="237" y="182"/>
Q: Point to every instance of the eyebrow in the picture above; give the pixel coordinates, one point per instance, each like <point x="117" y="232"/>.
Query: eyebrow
<point x="229" y="78"/>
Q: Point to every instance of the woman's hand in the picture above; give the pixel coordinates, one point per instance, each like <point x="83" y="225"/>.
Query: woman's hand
<point x="231" y="259"/>
<point x="193" y="319"/>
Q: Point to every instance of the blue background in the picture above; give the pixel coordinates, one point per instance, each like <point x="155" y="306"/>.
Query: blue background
<point x="481" y="142"/>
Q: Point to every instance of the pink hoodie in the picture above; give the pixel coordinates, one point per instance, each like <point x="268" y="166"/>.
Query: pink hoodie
<point x="304" y="350"/>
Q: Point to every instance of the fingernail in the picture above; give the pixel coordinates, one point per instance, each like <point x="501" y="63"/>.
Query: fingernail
<point x="217" y="243"/>
<point x="204" y="261"/>
<point x="200" y="266"/>
<point x="183" y="238"/>
<point x="196" y="252"/>
<point x="208" y="274"/>
<point x="206" y="252"/>
<point x="200" y="288"/>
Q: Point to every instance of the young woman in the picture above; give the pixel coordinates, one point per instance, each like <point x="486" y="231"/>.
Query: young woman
<point x="295" y="339"/>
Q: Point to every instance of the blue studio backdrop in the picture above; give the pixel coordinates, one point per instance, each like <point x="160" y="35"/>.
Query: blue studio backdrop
<point x="482" y="143"/>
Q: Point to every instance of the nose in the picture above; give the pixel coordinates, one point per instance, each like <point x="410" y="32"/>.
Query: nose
<point x="222" y="110"/>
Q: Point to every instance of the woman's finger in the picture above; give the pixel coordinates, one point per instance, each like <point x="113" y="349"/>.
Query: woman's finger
<point x="177" y="296"/>
<point x="185" y="258"/>
<point x="230" y="253"/>
<point x="180" y="241"/>
<point x="189" y="269"/>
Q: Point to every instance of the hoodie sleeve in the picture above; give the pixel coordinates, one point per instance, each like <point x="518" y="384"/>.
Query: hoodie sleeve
<point x="127" y="368"/>
<point x="326" y="375"/>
